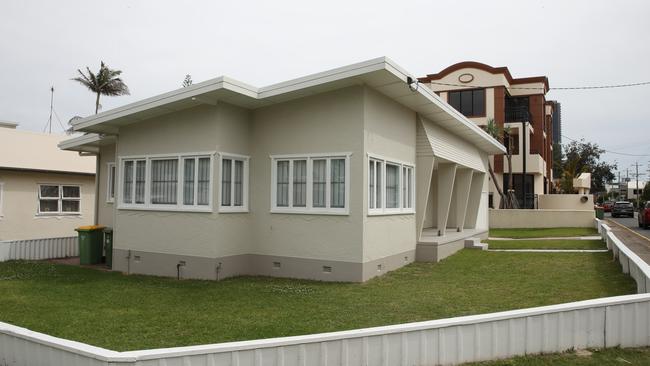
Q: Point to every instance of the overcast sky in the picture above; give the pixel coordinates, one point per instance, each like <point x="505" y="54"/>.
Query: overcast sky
<point x="155" y="43"/>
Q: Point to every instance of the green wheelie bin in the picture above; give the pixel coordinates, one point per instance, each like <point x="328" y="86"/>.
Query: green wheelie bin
<point x="108" y="246"/>
<point x="600" y="213"/>
<point x="90" y="244"/>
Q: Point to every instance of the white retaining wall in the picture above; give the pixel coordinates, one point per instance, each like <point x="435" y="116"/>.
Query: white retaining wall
<point x="34" y="249"/>
<point x="608" y="322"/>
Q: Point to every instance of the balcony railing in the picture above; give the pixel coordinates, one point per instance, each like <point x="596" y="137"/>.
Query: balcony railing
<point x="517" y="114"/>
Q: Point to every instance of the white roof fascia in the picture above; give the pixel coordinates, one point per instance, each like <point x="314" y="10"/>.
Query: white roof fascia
<point x="349" y="71"/>
<point x="221" y="82"/>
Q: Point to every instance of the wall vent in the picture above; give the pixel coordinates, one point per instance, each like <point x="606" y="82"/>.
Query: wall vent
<point x="136" y="258"/>
<point x="276" y="265"/>
<point x="327" y="269"/>
<point x="379" y="268"/>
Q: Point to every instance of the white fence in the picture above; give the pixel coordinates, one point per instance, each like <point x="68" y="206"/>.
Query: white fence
<point x="608" y="322"/>
<point x="39" y="248"/>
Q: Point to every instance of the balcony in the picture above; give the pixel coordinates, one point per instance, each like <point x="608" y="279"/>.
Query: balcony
<point x="517" y="114"/>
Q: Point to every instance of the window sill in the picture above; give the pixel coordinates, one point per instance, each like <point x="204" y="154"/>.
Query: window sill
<point x="297" y="211"/>
<point x="390" y="213"/>
<point x="227" y="209"/>
<point x="57" y="214"/>
<point x="166" y="208"/>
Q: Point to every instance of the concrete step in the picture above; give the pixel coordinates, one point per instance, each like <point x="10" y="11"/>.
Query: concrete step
<point x="475" y="243"/>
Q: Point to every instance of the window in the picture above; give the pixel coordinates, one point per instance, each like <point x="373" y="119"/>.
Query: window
<point x="56" y="199"/>
<point x="173" y="183"/>
<point x="1" y="197"/>
<point x="234" y="183"/>
<point x="470" y="103"/>
<point x="315" y="183"/>
<point x="110" y="183"/>
<point x="391" y="187"/>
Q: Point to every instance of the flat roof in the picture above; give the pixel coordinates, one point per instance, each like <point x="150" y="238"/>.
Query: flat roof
<point x="381" y="74"/>
<point x="27" y="150"/>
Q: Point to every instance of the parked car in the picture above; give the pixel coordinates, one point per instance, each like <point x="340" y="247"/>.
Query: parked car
<point x="644" y="216"/>
<point x="607" y="206"/>
<point x="623" y="208"/>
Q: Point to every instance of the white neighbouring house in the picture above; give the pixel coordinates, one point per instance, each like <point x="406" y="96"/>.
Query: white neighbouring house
<point x="340" y="176"/>
<point x="44" y="192"/>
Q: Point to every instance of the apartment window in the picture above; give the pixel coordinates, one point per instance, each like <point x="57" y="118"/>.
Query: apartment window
<point x="234" y="183"/>
<point x="110" y="182"/>
<point x="391" y="187"/>
<point x="57" y="199"/>
<point x="317" y="184"/>
<point x="166" y="182"/>
<point x="470" y="103"/>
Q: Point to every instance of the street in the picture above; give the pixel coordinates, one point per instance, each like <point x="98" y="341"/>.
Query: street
<point x="631" y="223"/>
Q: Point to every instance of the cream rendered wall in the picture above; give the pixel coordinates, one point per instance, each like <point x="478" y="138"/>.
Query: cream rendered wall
<point x="105" y="209"/>
<point x="481" y="79"/>
<point x="200" y="129"/>
<point x="20" y="219"/>
<point x="389" y="131"/>
<point x="330" y="122"/>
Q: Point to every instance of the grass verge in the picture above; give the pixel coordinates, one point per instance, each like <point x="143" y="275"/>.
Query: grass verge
<point x="546" y="244"/>
<point x="601" y="357"/>
<point x="543" y="232"/>
<point x="122" y="312"/>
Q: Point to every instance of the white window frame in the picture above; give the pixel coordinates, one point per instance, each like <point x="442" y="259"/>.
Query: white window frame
<point x="147" y="205"/>
<point x="2" y="198"/>
<point x="111" y="175"/>
<point x="59" y="200"/>
<point x="382" y="209"/>
<point x="309" y="209"/>
<point x="234" y="157"/>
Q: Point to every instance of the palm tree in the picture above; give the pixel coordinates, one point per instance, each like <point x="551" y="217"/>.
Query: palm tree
<point x="105" y="82"/>
<point x="501" y="134"/>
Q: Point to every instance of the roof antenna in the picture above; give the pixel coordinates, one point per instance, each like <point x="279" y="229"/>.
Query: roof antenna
<point x="49" y="121"/>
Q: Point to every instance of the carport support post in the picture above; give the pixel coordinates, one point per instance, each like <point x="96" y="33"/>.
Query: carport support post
<point x="475" y="190"/>
<point x="446" y="177"/>
<point x="463" y="183"/>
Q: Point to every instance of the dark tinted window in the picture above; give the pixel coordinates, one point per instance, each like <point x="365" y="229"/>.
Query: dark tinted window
<point x="470" y="103"/>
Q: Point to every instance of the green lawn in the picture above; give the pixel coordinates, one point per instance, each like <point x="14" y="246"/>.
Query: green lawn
<point x="122" y="312"/>
<point x="546" y="244"/>
<point x="602" y="357"/>
<point x="543" y="233"/>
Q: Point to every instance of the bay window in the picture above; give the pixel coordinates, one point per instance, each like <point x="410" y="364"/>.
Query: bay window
<point x="234" y="183"/>
<point x="174" y="183"/>
<point x="57" y="199"/>
<point x="313" y="183"/>
<point x="391" y="187"/>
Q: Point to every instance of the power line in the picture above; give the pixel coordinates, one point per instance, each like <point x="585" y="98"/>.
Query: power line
<point x="556" y="88"/>
<point x="609" y="151"/>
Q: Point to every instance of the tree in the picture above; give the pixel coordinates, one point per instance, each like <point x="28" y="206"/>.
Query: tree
<point x="187" y="81"/>
<point x="105" y="82"/>
<point x="584" y="157"/>
<point x="502" y="134"/>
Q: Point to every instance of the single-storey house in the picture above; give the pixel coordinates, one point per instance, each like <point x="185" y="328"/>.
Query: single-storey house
<point x="338" y="176"/>
<point x="44" y="192"/>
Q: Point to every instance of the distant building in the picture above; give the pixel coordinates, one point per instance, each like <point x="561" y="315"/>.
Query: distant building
<point x="482" y="92"/>
<point x="44" y="192"/>
<point x="632" y="191"/>
<point x="557" y="122"/>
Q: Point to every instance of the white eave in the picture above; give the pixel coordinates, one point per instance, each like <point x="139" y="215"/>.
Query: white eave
<point x="381" y="74"/>
<point x="88" y="143"/>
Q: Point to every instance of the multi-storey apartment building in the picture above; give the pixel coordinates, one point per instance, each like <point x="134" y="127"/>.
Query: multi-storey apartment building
<point x="482" y="92"/>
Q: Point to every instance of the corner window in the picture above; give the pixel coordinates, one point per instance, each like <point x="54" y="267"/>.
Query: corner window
<point x="1" y="197"/>
<point x="168" y="183"/>
<point x="234" y="183"/>
<point x="313" y="184"/>
<point x="110" y="183"/>
<point x="391" y="187"/>
<point x="56" y="199"/>
<point x="471" y="103"/>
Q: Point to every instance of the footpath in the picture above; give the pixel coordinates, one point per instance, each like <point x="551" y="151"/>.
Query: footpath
<point x="639" y="244"/>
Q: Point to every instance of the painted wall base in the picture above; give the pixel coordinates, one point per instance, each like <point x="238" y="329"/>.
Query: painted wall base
<point x="439" y="249"/>
<point x="160" y="264"/>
